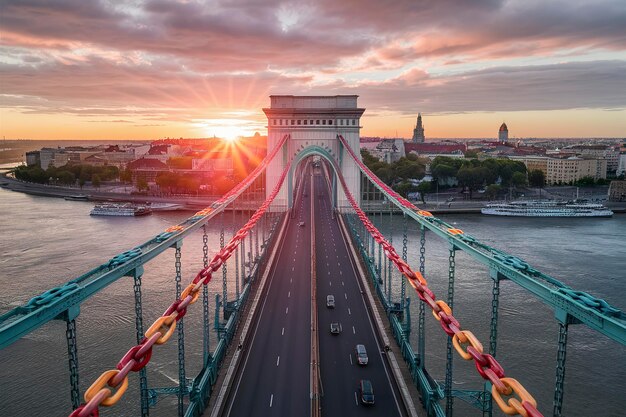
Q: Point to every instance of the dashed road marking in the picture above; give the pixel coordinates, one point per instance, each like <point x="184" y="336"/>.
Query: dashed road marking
<point x="289" y="294"/>
<point x="349" y="312"/>
<point x="353" y="330"/>
<point x="272" y="399"/>
<point x="287" y="310"/>
<point x="345" y="295"/>
<point x="283" y="332"/>
<point x="277" y="361"/>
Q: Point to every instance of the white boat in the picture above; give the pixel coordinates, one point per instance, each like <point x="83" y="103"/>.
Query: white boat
<point x="547" y="208"/>
<point x="120" y="209"/>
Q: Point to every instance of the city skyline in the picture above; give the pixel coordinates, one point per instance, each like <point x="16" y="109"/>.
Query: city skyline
<point x="135" y="70"/>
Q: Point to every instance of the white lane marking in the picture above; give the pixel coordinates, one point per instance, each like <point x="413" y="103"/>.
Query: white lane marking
<point x="294" y="259"/>
<point x="345" y="295"/>
<point x="340" y="273"/>
<point x="342" y="284"/>
<point x="272" y="399"/>
<point x="283" y="332"/>
<point x="292" y="268"/>
<point x="290" y="280"/>
<point x="338" y="263"/>
<point x="277" y="361"/>
<point x="287" y="310"/>
<point x="356" y="400"/>
<point x="349" y="312"/>
<point x="350" y="356"/>
<point x="353" y="331"/>
<point x="289" y="294"/>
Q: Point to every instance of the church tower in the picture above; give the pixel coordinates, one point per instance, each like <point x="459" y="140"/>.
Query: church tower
<point x="503" y="133"/>
<point x="418" y="132"/>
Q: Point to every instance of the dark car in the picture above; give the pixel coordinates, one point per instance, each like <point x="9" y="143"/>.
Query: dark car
<point x="366" y="392"/>
<point x="335" y="328"/>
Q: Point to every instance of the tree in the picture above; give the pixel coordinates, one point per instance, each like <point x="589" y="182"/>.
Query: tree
<point x="518" y="179"/>
<point x="424" y="188"/>
<point x="66" y="177"/>
<point x="536" y="178"/>
<point x="492" y="191"/>
<point x="95" y="180"/>
<point x="142" y="184"/>
<point x="471" y="153"/>
<point x="472" y="178"/>
<point x="126" y="176"/>
<point x="404" y="188"/>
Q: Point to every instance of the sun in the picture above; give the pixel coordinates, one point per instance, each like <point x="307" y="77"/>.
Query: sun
<point x="227" y="129"/>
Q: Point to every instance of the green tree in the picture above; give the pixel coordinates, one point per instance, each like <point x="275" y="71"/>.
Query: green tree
<point x="126" y="176"/>
<point x="404" y="188"/>
<point x="424" y="188"/>
<point x="471" y="153"/>
<point x="472" y="178"/>
<point x="492" y="191"/>
<point x="518" y="179"/>
<point x="142" y="185"/>
<point x="95" y="180"/>
<point x="536" y="178"/>
<point x="66" y="177"/>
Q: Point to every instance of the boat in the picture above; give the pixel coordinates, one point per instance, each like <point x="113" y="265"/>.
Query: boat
<point x="547" y="208"/>
<point x="78" y="197"/>
<point x="120" y="209"/>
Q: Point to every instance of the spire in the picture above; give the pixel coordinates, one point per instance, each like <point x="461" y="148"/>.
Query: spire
<point x="418" y="132"/>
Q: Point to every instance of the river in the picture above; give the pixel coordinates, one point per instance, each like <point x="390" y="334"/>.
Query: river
<point x="45" y="242"/>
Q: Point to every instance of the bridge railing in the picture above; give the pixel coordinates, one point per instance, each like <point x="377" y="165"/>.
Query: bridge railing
<point x="570" y="306"/>
<point x="244" y="254"/>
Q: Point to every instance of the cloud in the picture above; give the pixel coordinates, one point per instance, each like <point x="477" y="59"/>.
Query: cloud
<point x="177" y="61"/>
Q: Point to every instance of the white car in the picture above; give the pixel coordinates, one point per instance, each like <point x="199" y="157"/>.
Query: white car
<point x="330" y="301"/>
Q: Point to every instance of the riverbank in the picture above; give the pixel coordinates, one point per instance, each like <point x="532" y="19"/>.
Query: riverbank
<point x="119" y="194"/>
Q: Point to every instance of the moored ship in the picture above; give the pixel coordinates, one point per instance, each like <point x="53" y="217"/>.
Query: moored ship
<point x="120" y="209"/>
<point x="547" y="208"/>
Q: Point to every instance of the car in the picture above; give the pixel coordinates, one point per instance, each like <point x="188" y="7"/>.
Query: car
<point x="366" y="392"/>
<point x="301" y="224"/>
<point x="330" y="301"/>
<point x="361" y="355"/>
<point x="335" y="328"/>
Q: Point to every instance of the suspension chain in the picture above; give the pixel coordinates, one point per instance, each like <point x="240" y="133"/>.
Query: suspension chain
<point x="510" y="395"/>
<point x="111" y="385"/>
<point x="72" y="356"/>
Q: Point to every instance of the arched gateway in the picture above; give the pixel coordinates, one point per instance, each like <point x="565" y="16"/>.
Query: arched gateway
<point x="313" y="123"/>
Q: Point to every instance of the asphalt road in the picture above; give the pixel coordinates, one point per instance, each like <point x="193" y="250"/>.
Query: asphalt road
<point x="275" y="380"/>
<point x="339" y="370"/>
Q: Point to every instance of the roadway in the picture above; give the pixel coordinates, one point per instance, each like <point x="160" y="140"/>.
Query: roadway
<point x="340" y="373"/>
<point x="275" y="375"/>
<point x="275" y="378"/>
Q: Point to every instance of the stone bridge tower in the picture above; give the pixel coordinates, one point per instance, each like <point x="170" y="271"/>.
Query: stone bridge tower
<point x="313" y="123"/>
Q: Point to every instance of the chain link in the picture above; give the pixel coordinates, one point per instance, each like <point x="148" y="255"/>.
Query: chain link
<point x="560" y="370"/>
<point x="72" y="355"/>
<point x="161" y="330"/>
<point x="486" y="365"/>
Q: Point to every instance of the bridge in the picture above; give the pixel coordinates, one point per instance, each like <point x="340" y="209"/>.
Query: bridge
<point x="252" y="323"/>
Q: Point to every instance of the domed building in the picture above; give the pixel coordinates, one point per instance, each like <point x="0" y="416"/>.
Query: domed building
<point x="503" y="133"/>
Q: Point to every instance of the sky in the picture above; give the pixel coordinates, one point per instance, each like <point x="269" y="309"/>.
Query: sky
<point x="134" y="69"/>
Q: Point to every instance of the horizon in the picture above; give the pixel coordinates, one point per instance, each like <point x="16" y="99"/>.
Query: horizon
<point x="128" y="70"/>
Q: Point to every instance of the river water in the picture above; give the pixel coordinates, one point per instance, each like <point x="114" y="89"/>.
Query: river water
<point x="45" y="242"/>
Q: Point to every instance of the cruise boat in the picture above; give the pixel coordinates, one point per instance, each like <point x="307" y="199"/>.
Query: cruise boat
<point x="120" y="209"/>
<point x="547" y="208"/>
